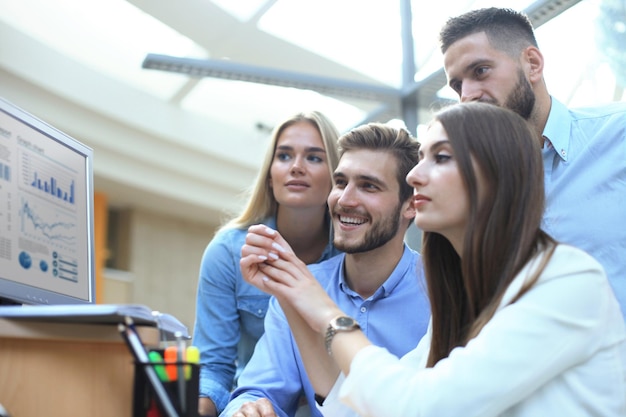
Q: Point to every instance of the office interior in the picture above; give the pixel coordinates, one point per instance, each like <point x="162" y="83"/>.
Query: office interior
<point x="178" y="99"/>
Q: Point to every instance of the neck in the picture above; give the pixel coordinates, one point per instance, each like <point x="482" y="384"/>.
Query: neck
<point x="539" y="116"/>
<point x="305" y="230"/>
<point x="365" y="272"/>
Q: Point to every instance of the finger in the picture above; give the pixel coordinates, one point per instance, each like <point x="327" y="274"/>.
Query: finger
<point x="265" y="408"/>
<point x="260" y="254"/>
<point x="259" y="241"/>
<point x="261" y="231"/>
<point x="281" y="244"/>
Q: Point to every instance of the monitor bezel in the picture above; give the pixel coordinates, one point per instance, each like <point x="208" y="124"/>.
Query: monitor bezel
<point x="15" y="293"/>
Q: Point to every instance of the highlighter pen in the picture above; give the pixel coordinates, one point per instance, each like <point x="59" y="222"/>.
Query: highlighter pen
<point x="193" y="356"/>
<point x="170" y="356"/>
<point x="141" y="356"/>
<point x="157" y="359"/>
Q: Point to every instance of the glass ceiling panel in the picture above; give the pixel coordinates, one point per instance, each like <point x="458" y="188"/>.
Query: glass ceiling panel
<point x="243" y="10"/>
<point x="361" y="35"/>
<point x="576" y="70"/>
<point x="114" y="37"/>
<point x="261" y="106"/>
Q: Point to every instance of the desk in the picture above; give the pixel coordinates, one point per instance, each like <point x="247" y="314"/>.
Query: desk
<point x="66" y="369"/>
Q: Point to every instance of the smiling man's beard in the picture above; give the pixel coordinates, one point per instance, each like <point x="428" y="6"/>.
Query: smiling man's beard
<point x="380" y="233"/>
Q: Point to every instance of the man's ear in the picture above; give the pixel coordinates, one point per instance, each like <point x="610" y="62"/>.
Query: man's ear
<point x="533" y="58"/>
<point x="408" y="211"/>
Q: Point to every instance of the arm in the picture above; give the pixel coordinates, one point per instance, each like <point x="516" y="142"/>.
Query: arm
<point x="217" y="330"/>
<point x="549" y="336"/>
<point x="268" y="263"/>
<point x="272" y="372"/>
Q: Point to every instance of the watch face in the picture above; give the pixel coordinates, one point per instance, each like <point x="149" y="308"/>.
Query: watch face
<point x="345" y="322"/>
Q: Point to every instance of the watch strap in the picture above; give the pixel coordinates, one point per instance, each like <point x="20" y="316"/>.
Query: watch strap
<point x="339" y="324"/>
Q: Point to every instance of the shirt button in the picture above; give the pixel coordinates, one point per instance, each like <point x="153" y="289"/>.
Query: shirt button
<point x="363" y="309"/>
<point x="563" y="152"/>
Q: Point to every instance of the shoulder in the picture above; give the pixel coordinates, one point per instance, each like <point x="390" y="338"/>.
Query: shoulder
<point x="569" y="269"/>
<point x="235" y="236"/>
<point x="568" y="259"/>
<point x="612" y="113"/>
<point x="572" y="282"/>
<point x="608" y="109"/>
<point x="228" y="237"/>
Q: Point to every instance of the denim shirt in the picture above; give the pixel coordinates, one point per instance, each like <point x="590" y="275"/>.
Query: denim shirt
<point x="229" y="314"/>
<point x="396" y="317"/>
<point x="585" y="180"/>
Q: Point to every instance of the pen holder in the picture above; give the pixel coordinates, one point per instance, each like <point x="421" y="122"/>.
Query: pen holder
<point x="147" y="401"/>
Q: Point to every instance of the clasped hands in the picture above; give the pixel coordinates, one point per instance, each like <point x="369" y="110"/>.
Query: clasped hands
<point x="269" y="263"/>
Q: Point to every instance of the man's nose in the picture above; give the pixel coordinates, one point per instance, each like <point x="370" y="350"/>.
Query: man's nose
<point x="470" y="92"/>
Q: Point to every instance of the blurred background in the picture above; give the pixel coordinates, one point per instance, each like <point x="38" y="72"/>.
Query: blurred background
<point x="178" y="100"/>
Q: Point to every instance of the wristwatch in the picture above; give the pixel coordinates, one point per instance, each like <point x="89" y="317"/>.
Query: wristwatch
<point x="339" y="324"/>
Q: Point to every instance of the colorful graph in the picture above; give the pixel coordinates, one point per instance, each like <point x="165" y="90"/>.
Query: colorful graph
<point x="50" y="226"/>
<point x="49" y="177"/>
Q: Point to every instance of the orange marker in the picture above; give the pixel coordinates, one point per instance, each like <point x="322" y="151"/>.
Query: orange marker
<point x="170" y="356"/>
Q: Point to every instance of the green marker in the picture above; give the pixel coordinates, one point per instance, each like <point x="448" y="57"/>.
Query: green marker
<point x="155" y="357"/>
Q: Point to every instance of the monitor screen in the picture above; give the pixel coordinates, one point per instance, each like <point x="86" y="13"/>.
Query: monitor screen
<point x="46" y="213"/>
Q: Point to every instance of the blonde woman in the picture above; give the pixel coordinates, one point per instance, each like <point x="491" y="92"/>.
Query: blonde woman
<point x="289" y="195"/>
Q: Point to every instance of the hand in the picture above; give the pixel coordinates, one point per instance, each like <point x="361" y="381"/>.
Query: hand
<point x="259" y="408"/>
<point x="269" y="263"/>
<point x="259" y="246"/>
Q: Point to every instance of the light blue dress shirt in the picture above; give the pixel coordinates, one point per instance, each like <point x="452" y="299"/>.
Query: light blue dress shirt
<point x="585" y="181"/>
<point x="395" y="317"/>
<point x="229" y="313"/>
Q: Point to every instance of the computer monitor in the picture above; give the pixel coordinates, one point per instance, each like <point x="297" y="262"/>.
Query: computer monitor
<point x="46" y="213"/>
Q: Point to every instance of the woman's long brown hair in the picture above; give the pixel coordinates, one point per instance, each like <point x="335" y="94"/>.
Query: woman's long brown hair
<point x="503" y="231"/>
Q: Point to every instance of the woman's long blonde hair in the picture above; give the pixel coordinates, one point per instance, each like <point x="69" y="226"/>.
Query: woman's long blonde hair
<point x="261" y="202"/>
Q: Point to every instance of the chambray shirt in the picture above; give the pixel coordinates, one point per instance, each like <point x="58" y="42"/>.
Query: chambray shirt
<point x="396" y="317"/>
<point x="229" y="313"/>
<point x="585" y="182"/>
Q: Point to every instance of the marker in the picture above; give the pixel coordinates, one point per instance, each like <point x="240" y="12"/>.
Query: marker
<point x="157" y="359"/>
<point x="170" y="357"/>
<point x="193" y="356"/>
<point x="136" y="347"/>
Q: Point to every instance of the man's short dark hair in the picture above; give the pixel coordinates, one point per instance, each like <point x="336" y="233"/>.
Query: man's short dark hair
<point x="383" y="137"/>
<point x="508" y="30"/>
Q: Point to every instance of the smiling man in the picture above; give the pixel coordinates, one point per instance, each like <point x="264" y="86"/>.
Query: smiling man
<point x="379" y="280"/>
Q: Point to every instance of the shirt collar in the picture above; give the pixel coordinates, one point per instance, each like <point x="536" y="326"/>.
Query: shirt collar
<point x="558" y="127"/>
<point x="406" y="261"/>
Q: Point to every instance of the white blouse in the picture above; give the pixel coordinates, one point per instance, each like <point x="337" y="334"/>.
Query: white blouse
<point x="560" y="350"/>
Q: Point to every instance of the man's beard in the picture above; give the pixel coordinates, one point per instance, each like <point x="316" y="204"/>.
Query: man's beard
<point x="380" y="233"/>
<point x="521" y="100"/>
